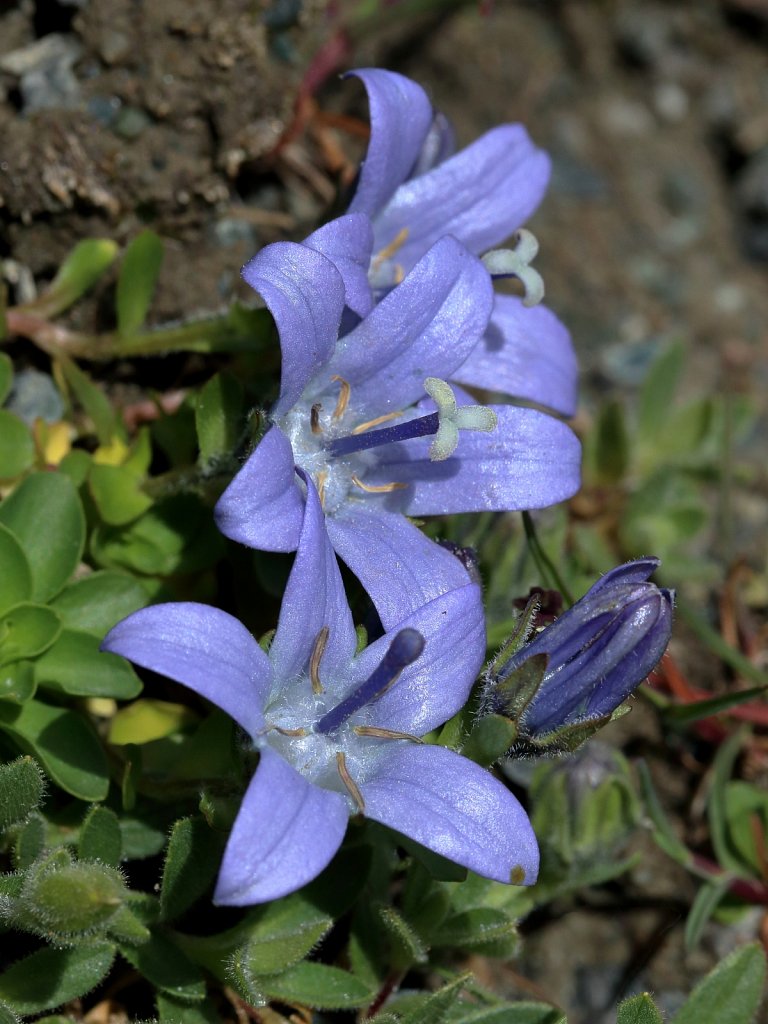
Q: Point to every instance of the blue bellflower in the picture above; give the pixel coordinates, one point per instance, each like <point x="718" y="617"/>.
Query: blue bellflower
<point x="416" y="189"/>
<point x="368" y="415"/>
<point x="594" y="655"/>
<point x="338" y="732"/>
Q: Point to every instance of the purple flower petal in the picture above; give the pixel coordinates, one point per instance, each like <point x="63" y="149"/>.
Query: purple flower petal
<point x="314" y="598"/>
<point x="286" y="832"/>
<point x="263" y="507"/>
<point x="205" y="649"/>
<point x="401" y="116"/>
<point x="347" y="243"/>
<point x="637" y="571"/>
<point x="480" y="196"/>
<point x="439" y="144"/>
<point x="437" y="684"/>
<point x="304" y="292"/>
<point x="398" y="565"/>
<point x="526" y="353"/>
<point x="427" y="326"/>
<point x="454" y="807"/>
<point x="530" y="460"/>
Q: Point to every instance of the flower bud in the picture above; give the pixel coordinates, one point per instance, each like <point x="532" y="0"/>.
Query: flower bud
<point x="584" y="809"/>
<point x="570" y="678"/>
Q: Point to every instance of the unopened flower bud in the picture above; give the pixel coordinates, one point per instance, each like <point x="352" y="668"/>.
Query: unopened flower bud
<point x="572" y="675"/>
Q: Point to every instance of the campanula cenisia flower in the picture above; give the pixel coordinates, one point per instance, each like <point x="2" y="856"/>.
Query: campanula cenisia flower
<point x="416" y="189"/>
<point x="338" y="732"/>
<point x="369" y="416"/>
<point x="591" y="658"/>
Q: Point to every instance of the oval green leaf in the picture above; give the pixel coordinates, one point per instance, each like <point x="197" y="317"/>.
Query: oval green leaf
<point x="117" y="494"/>
<point x="17" y="449"/>
<point x="138" y="278"/>
<point x="97" y="602"/>
<point x="75" y="665"/>
<point x="64" y="743"/>
<point x="16" y="575"/>
<point x="30" y="512"/>
<point x="26" y="631"/>
<point x="17" y="682"/>
<point x="50" y="977"/>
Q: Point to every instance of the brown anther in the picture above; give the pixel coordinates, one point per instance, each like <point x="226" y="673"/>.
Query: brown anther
<point x="315" y="658"/>
<point x="399" y="273"/>
<point x="385" y="734"/>
<point x="288" y="732"/>
<point x="389" y="250"/>
<point x="343" y="400"/>
<point x="362" y="427"/>
<point x="314" y="419"/>
<point x="322" y="476"/>
<point x="377" y="488"/>
<point x="349" y="782"/>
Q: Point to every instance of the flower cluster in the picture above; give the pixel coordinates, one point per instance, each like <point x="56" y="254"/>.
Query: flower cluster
<point x="384" y="316"/>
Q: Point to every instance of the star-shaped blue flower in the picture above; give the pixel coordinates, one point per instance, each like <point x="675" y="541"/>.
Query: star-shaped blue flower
<point x="416" y="189"/>
<point x="354" y="414"/>
<point x="338" y="732"/>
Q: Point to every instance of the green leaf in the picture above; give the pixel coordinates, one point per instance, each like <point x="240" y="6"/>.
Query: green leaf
<point x="125" y="926"/>
<point x="717" y="807"/>
<point x="611" y="443"/>
<point x="658" y="391"/>
<point x="482" y="929"/>
<point x="95" y="403"/>
<point x="191" y="863"/>
<point x="704" y="905"/>
<point x="17" y="449"/>
<point x="163" y="963"/>
<point x="137" y="281"/>
<point x="218" y="416"/>
<point x="407" y="947"/>
<point x="491" y="737"/>
<point x="665" y="835"/>
<point x="29" y="511"/>
<point x="639" y="1010"/>
<point x="97" y="602"/>
<point x="26" y="631"/>
<point x="695" y="710"/>
<point x="80" y="271"/>
<point x="7" y="1016"/>
<point x="731" y="993"/>
<point x="21" y="790"/>
<point x="29" y="843"/>
<point x="100" y="837"/>
<point x="318" y="986"/>
<point x="17" y="682"/>
<point x="173" y="1011"/>
<point x="50" y="977"/>
<point x="175" y="535"/>
<point x="281" y="935"/>
<point x="64" y="743"/>
<point x="507" y="1013"/>
<point x="16" y="575"/>
<point x="436" y="1007"/>
<point x="75" y="465"/>
<point x="6" y="375"/>
<point x="145" y="720"/>
<point x="117" y="494"/>
<point x="75" y="665"/>
<point x="746" y="815"/>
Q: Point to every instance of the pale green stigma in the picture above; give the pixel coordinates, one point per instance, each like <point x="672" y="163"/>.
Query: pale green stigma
<point x="516" y="263"/>
<point x="452" y="418"/>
